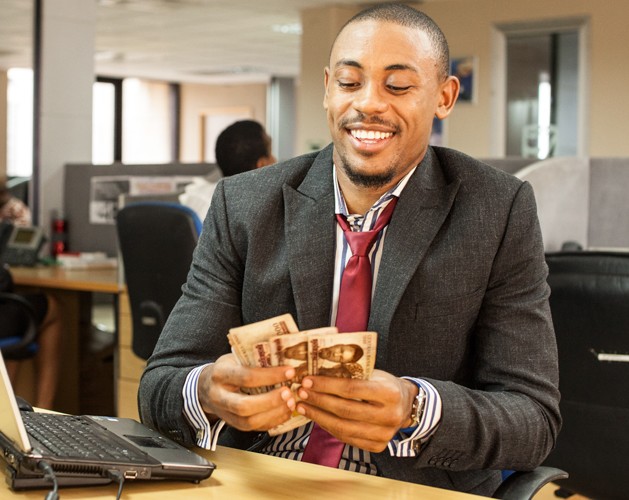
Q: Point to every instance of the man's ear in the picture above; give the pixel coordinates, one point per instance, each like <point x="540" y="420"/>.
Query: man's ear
<point x="326" y="79"/>
<point x="449" y="93"/>
<point x="264" y="161"/>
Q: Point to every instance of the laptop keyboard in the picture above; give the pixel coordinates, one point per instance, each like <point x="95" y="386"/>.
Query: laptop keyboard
<point x="78" y="438"/>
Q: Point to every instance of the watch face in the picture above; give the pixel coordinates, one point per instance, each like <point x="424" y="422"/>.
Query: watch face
<point x="418" y="407"/>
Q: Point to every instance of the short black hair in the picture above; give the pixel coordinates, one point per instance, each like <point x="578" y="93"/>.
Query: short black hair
<point x="240" y="146"/>
<point x="409" y="17"/>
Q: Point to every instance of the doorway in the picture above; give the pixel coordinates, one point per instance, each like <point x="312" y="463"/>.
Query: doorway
<point x="544" y="89"/>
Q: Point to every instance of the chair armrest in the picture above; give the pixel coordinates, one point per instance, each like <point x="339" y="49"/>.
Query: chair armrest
<point x="524" y="485"/>
<point x="30" y="333"/>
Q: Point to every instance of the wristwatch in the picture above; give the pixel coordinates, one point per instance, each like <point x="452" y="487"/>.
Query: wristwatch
<point x="417" y="410"/>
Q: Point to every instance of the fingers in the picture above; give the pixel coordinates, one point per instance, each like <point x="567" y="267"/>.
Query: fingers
<point x="260" y="412"/>
<point x="226" y="370"/>
<point x="363" y="434"/>
<point x="373" y="412"/>
<point x="363" y="413"/>
<point x="219" y="392"/>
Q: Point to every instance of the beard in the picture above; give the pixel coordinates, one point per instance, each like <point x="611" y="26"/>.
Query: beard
<point x="358" y="178"/>
<point x="366" y="180"/>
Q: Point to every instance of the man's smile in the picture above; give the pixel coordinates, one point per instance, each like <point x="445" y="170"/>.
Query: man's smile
<point x="370" y="135"/>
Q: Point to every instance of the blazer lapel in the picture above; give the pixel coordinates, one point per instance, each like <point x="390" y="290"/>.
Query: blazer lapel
<point x="310" y="234"/>
<point x="421" y="211"/>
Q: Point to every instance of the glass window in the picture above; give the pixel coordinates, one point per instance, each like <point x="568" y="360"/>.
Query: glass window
<point x="146" y="122"/>
<point x="20" y="122"/>
<point x="103" y="123"/>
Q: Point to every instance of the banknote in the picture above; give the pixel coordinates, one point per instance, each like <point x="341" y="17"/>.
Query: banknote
<point x="243" y="339"/>
<point x="348" y="355"/>
<point x="262" y="358"/>
<point x="321" y="351"/>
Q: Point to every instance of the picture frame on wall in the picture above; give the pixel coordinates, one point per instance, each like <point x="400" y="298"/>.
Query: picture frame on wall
<point x="464" y="68"/>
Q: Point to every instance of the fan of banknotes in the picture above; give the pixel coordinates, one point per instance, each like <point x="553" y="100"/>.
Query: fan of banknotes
<point x="322" y="351"/>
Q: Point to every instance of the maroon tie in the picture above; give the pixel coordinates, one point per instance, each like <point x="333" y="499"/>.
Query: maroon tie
<point x="352" y="316"/>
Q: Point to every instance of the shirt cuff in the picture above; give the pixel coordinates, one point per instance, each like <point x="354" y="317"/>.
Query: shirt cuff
<point x="206" y="434"/>
<point x="404" y="444"/>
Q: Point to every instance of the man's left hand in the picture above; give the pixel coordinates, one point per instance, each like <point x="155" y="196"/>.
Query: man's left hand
<point x="361" y="413"/>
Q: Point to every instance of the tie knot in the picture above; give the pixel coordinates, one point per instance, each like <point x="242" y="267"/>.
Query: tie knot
<point x="361" y="241"/>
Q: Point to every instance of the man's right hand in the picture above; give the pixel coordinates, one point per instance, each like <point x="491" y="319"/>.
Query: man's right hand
<point x="220" y="395"/>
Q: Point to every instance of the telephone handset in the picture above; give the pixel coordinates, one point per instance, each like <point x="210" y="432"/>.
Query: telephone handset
<point x="22" y="245"/>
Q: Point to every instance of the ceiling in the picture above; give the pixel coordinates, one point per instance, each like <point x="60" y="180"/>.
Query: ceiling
<point x="212" y="41"/>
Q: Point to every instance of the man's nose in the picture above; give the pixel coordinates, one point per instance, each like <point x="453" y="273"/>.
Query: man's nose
<point x="371" y="99"/>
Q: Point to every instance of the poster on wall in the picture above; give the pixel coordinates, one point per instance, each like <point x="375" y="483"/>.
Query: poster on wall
<point x="464" y="68"/>
<point x="105" y="192"/>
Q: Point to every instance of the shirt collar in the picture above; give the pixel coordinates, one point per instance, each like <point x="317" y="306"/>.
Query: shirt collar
<point x="340" y="207"/>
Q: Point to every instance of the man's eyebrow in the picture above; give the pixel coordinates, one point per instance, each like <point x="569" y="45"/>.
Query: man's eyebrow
<point x="348" y="62"/>
<point x="401" y="67"/>
<point x="391" y="67"/>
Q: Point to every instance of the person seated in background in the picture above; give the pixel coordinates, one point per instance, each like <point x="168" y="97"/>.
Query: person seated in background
<point x="46" y="307"/>
<point x="12" y="209"/>
<point x="241" y="147"/>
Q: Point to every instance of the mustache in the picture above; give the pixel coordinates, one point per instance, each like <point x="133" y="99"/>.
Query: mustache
<point x="363" y="119"/>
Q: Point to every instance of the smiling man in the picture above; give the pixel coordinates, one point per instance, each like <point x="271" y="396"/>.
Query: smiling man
<point x="438" y="253"/>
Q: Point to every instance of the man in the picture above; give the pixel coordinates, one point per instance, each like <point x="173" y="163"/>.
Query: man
<point x="242" y="146"/>
<point x="460" y="300"/>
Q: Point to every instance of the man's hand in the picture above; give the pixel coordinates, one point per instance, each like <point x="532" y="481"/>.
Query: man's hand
<point x="220" y="395"/>
<point x="362" y="413"/>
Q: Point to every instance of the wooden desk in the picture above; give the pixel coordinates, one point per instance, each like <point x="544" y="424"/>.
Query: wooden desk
<point x="58" y="278"/>
<point x="244" y="475"/>
<point x="73" y="290"/>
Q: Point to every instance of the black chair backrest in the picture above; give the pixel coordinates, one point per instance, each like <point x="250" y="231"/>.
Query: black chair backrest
<point x="590" y="307"/>
<point x="156" y="241"/>
<point x="19" y="344"/>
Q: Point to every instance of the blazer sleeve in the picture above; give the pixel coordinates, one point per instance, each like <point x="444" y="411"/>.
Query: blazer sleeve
<point x="196" y="330"/>
<point x="509" y="418"/>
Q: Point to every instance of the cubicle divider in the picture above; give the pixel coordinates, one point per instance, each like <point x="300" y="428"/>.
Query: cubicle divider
<point x="91" y="194"/>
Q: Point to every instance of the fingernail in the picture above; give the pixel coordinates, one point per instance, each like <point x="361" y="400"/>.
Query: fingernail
<point x="290" y="373"/>
<point x="300" y="410"/>
<point x="285" y="394"/>
<point x="291" y="404"/>
<point x="307" y="383"/>
<point x="303" y="394"/>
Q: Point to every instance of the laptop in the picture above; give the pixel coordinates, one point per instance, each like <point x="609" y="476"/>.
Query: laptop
<point x="106" y="448"/>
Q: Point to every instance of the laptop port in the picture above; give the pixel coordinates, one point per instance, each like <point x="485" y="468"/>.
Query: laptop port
<point x="131" y="474"/>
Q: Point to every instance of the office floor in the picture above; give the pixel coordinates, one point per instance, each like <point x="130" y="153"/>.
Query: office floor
<point x="103" y="316"/>
<point x="97" y="366"/>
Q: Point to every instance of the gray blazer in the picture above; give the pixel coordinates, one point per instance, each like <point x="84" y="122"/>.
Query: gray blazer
<point x="461" y="300"/>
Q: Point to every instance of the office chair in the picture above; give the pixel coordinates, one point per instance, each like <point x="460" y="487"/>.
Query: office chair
<point x="589" y="302"/>
<point x="156" y="242"/>
<point x="20" y="346"/>
<point x="523" y="485"/>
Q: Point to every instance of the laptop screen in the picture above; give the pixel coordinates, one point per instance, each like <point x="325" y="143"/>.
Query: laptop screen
<point x="11" y="424"/>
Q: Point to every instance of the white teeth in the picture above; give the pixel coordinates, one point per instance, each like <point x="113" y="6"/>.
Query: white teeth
<point x="370" y="134"/>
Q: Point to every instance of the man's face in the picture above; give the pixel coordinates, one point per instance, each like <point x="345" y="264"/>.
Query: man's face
<point x="382" y="92"/>
<point x="340" y="353"/>
<point x="297" y="351"/>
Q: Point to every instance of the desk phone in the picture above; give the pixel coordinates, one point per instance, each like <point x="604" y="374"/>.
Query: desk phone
<point x="21" y="245"/>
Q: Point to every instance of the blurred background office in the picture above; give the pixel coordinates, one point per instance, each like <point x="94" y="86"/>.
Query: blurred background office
<point x="101" y="97"/>
<point x="152" y="81"/>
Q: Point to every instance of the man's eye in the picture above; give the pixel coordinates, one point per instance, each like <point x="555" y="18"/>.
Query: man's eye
<point x="395" y="88"/>
<point x="347" y="85"/>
